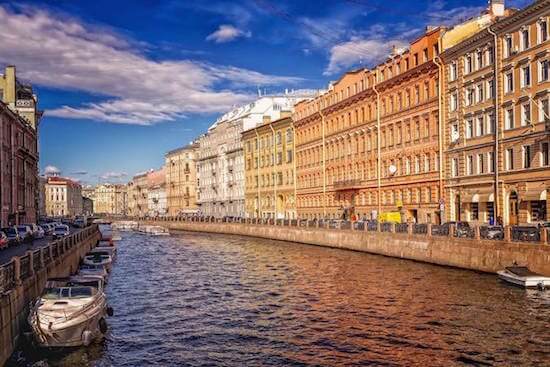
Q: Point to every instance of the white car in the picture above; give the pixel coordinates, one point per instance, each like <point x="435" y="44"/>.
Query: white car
<point x="61" y="231"/>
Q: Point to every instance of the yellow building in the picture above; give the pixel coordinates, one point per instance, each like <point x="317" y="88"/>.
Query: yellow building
<point x="19" y="97"/>
<point x="63" y="197"/>
<point x="181" y="180"/>
<point x="110" y="199"/>
<point x="270" y="188"/>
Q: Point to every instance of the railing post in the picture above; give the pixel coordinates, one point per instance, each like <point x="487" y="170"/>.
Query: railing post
<point x="543" y="235"/>
<point x="378" y="226"/>
<point x="477" y="232"/>
<point x="17" y="271"/>
<point x="50" y="251"/>
<point x="31" y="263"/>
<point x="392" y="228"/>
<point x="452" y="230"/>
<point x="352" y="226"/>
<point x="409" y="228"/>
<point x="429" y="229"/>
<point x="507" y="234"/>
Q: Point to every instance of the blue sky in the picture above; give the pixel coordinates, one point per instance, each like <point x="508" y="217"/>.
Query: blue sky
<point x="122" y="82"/>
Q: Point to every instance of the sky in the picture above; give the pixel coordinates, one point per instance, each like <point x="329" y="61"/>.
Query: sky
<point x="122" y="82"/>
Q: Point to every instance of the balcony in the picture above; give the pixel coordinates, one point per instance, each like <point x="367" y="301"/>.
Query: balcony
<point x="347" y="184"/>
<point x="24" y="103"/>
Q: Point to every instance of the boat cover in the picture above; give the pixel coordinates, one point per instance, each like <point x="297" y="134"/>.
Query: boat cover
<point x="522" y="271"/>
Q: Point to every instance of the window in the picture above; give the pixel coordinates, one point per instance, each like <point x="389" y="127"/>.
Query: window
<point x="526" y="152"/>
<point x="474" y="211"/>
<point x="544" y="110"/>
<point x="289" y="156"/>
<point x="425" y="54"/>
<point x="454" y="101"/>
<point x="525" y="39"/>
<point x="415" y="59"/>
<point x="491" y="88"/>
<point x="526" y="76"/>
<point x="491" y="122"/>
<point x="509" y="119"/>
<point x="509" y="45"/>
<point x="491" y="162"/>
<point x="470" y="97"/>
<point x="452" y="72"/>
<point x="543" y="71"/>
<point x="469" y="129"/>
<point x="417" y="94"/>
<point x="480" y="126"/>
<point x="480" y="93"/>
<point x="490" y="56"/>
<point x="480" y="164"/>
<point x="469" y="64"/>
<point x="454" y="132"/>
<point x="544" y="152"/>
<point x="470" y="165"/>
<point x="509" y="159"/>
<point x="479" y="59"/>
<point x="525" y="114"/>
<point x="543" y="30"/>
<point x="509" y="82"/>
<point x="454" y="167"/>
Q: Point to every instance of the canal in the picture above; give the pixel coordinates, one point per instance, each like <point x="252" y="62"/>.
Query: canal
<point x="209" y="300"/>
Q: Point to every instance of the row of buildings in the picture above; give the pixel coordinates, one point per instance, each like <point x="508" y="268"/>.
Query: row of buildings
<point x="455" y="127"/>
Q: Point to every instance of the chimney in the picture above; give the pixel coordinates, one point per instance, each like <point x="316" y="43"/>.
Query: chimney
<point x="496" y="8"/>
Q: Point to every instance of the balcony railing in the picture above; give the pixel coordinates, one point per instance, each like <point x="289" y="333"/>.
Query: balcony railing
<point x="347" y="184"/>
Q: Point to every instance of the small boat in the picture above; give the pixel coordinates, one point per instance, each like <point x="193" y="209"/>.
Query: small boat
<point x="522" y="276"/>
<point x="71" y="312"/>
<point x="157" y="231"/>
<point x="101" y="247"/>
<point x="98" y="257"/>
<point x="93" y="270"/>
<point x="126" y="225"/>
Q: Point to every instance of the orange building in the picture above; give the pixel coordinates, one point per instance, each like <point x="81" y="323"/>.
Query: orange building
<point x="370" y="144"/>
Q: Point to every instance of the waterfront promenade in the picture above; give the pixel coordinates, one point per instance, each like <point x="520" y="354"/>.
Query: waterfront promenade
<point x="419" y="242"/>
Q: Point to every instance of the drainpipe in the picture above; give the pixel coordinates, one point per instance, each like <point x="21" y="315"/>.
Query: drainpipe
<point x="294" y="167"/>
<point x="274" y="172"/>
<point x="441" y="129"/>
<point x="324" y="161"/>
<point x="378" y="160"/>
<point x="258" y="171"/>
<point x="497" y="126"/>
<point x="2" y="165"/>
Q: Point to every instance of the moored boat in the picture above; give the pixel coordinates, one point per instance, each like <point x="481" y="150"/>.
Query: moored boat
<point x="71" y="312"/>
<point x="93" y="270"/>
<point x="157" y="231"/>
<point x="523" y="277"/>
<point x="98" y="257"/>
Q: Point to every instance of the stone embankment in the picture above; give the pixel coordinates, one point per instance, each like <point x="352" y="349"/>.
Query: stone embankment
<point x="467" y="253"/>
<point x="23" y="279"/>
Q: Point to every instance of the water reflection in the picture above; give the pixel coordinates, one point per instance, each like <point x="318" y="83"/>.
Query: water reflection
<point x="202" y="300"/>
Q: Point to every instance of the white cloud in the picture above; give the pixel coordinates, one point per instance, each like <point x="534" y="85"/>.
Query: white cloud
<point x="360" y="51"/>
<point x="227" y="33"/>
<point x="113" y="175"/>
<point x="51" y="170"/>
<point x="66" y="54"/>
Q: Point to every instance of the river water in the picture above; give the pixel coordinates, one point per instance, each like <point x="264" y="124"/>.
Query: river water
<point x="214" y="300"/>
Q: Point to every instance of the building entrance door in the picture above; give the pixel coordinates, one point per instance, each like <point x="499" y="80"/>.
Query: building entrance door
<point x="513" y="204"/>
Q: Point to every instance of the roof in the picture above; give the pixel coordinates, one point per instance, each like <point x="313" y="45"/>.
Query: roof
<point x="62" y="181"/>
<point x="193" y="145"/>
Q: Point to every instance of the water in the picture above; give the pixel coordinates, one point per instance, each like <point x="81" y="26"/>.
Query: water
<point x="214" y="300"/>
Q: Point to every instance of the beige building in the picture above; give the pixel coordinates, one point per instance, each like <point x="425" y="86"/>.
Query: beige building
<point x="181" y="180"/>
<point x="138" y="190"/>
<point x="19" y="97"/>
<point x="496" y="83"/>
<point x="270" y="185"/>
<point x="63" y="197"/>
<point x="110" y="199"/>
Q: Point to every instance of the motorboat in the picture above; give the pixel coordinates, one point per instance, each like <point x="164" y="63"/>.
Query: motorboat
<point x="71" y="312"/>
<point x="157" y="231"/>
<point x="93" y="270"/>
<point x="126" y="225"/>
<point x="98" y="257"/>
<point x="523" y="277"/>
<point x="102" y="247"/>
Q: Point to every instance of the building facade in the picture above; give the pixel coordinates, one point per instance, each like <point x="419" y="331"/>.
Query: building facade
<point x="370" y="144"/>
<point x="110" y="199"/>
<point x="19" y="117"/>
<point x="181" y="180"/>
<point x="63" y="197"/>
<point x="156" y="193"/>
<point x="220" y="162"/>
<point x="496" y="119"/>
<point x="140" y="190"/>
<point x="270" y="184"/>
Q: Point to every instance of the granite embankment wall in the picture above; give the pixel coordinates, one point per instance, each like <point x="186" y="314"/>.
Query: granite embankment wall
<point x="23" y="279"/>
<point x="474" y="254"/>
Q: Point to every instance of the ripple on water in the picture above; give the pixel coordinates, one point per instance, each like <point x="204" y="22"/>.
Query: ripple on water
<point x="209" y="300"/>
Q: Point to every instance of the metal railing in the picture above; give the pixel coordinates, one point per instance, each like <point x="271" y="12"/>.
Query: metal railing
<point x="386" y="227"/>
<point x="420" y="228"/>
<point x="23" y="267"/>
<point x="402" y="228"/>
<point x="440" y="230"/>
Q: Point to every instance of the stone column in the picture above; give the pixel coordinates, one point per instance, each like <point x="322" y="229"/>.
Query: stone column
<point x="543" y="235"/>
<point x="429" y="230"/>
<point x="477" y="233"/>
<point x="507" y="233"/>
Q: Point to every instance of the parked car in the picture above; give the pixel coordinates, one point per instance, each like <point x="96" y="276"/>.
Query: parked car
<point x="25" y="232"/>
<point x="4" y="242"/>
<point x="13" y="235"/>
<point x="79" y="223"/>
<point x="494" y="233"/>
<point x="60" y="231"/>
<point x="47" y="228"/>
<point x="37" y="231"/>
<point x="462" y="229"/>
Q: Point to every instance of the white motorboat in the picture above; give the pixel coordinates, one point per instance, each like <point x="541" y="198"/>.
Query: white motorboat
<point x="98" y="257"/>
<point x="157" y="231"/>
<point x="71" y="312"/>
<point x="522" y="276"/>
<point x="93" y="270"/>
<point x="102" y="247"/>
<point x="126" y="225"/>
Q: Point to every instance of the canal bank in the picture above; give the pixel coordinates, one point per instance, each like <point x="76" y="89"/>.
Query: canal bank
<point x="23" y="279"/>
<point x="472" y="254"/>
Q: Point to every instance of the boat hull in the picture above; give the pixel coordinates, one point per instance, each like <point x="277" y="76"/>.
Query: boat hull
<point x="526" y="282"/>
